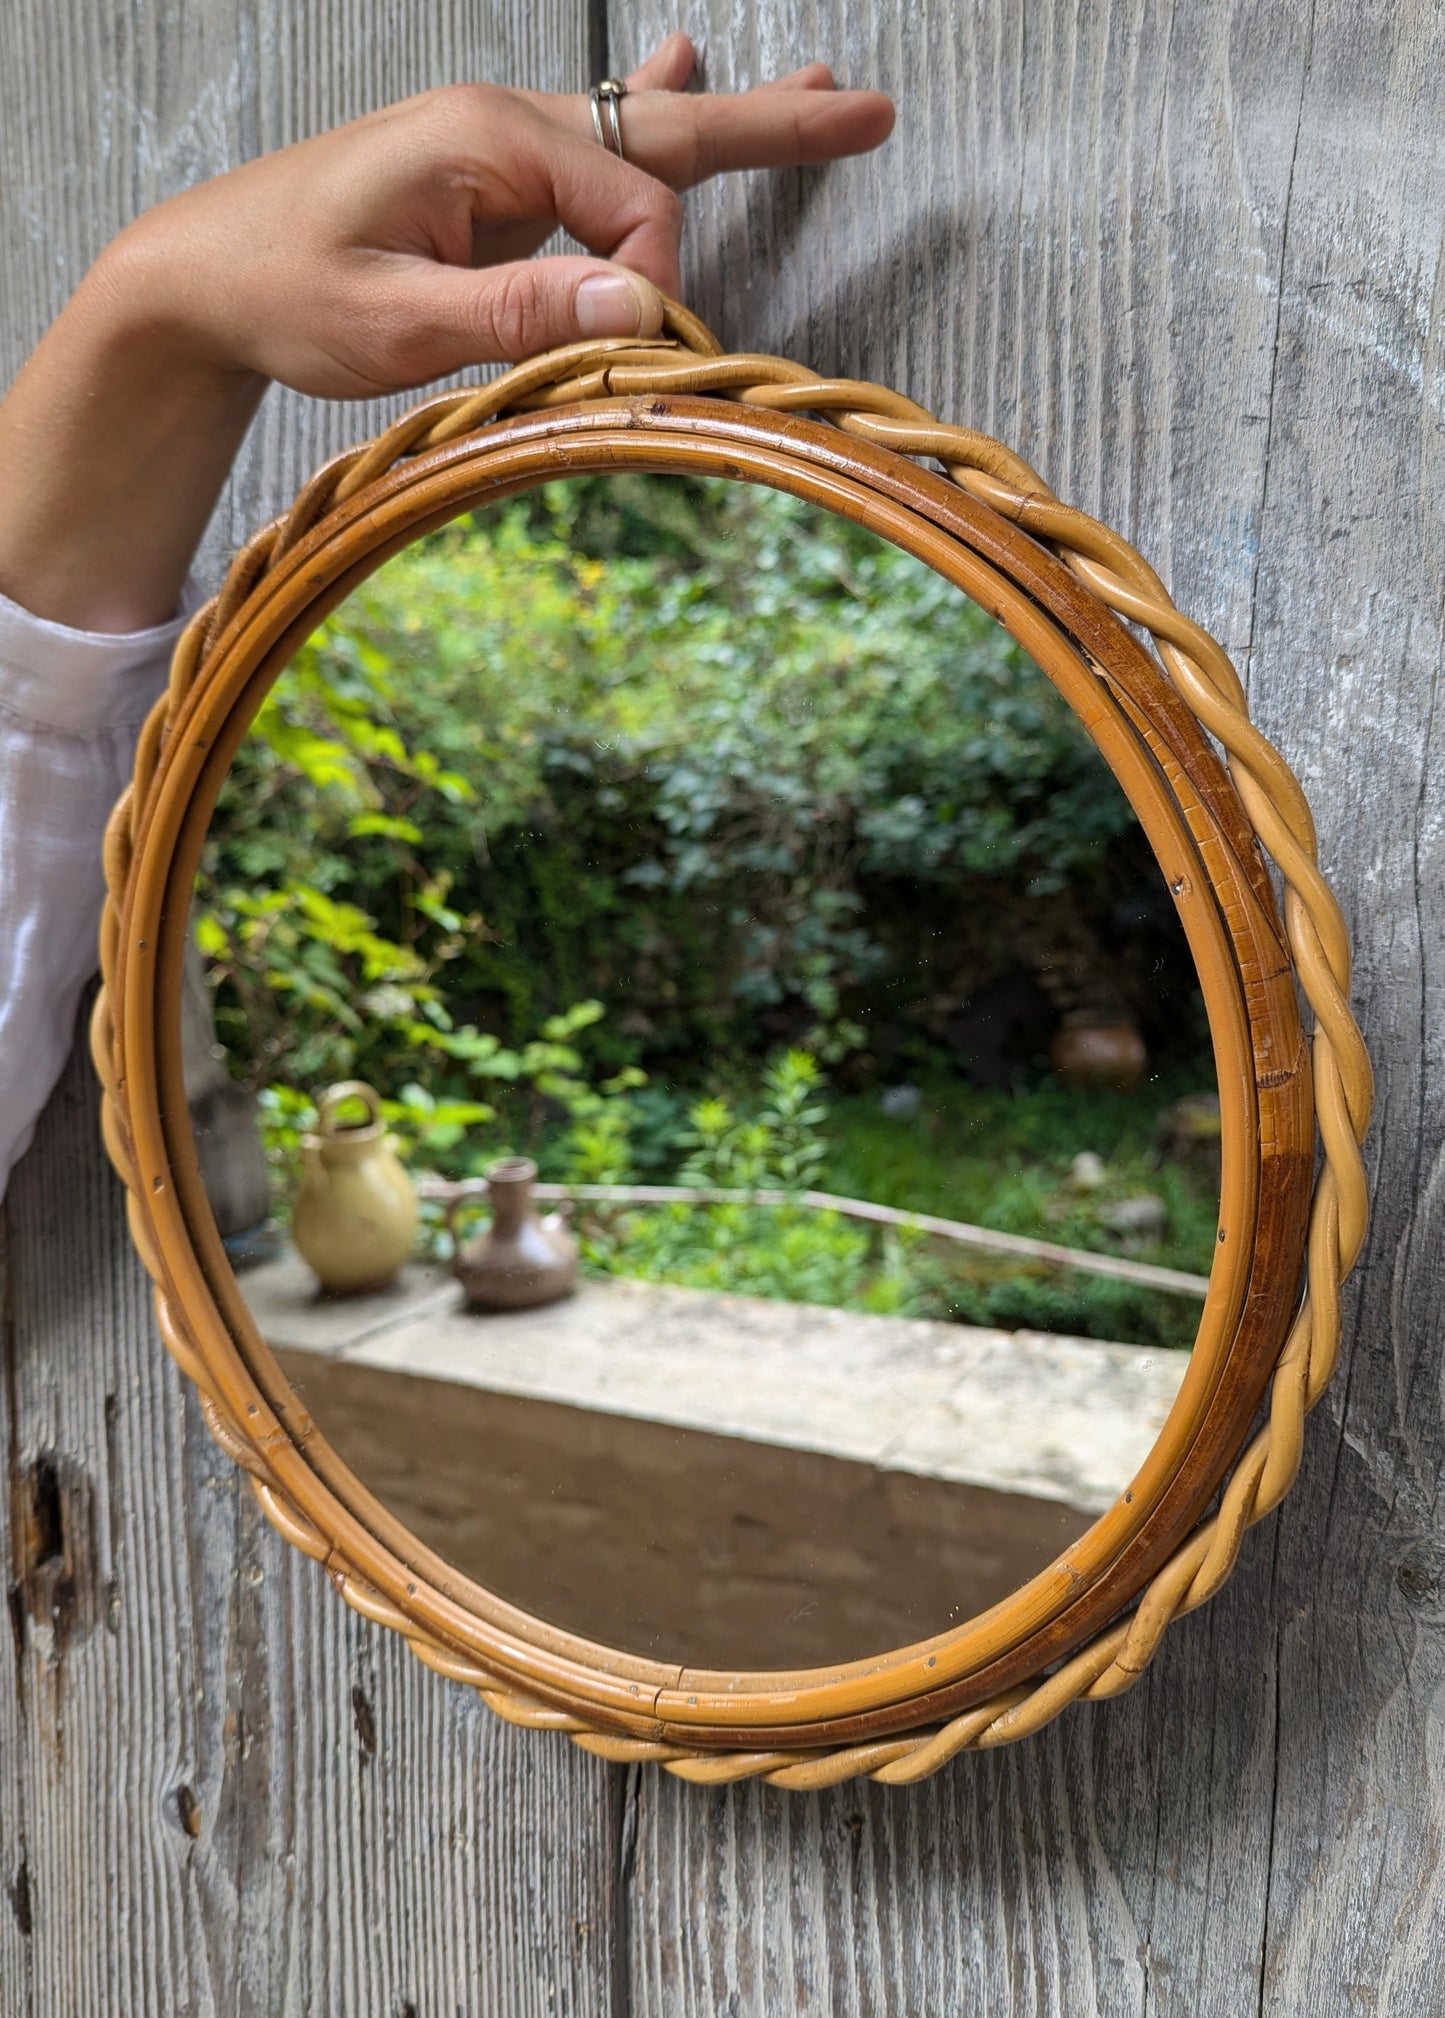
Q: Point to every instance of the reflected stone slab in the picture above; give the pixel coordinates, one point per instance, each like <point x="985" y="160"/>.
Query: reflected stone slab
<point x="289" y="1309"/>
<point x="1058" y="1418"/>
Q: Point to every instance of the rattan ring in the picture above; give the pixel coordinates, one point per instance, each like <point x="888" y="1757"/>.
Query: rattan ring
<point x="1218" y="803"/>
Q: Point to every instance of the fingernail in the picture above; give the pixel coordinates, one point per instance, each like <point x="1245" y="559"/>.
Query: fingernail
<point x="613" y="304"/>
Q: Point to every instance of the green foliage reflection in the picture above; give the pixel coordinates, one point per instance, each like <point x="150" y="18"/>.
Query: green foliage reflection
<point x="635" y="783"/>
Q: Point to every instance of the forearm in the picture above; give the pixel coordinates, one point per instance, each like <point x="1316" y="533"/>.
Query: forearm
<point x="367" y="260"/>
<point x="115" y="440"/>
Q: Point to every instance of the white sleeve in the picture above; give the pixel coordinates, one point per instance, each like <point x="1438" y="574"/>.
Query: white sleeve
<point x="71" y="705"/>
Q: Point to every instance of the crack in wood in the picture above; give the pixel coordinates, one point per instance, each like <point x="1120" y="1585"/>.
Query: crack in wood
<point x="363" y="1716"/>
<point x="17" y="1891"/>
<point x="55" y="1568"/>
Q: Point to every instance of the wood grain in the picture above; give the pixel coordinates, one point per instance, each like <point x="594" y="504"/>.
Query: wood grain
<point x="226" y="1792"/>
<point x="1188" y="261"/>
<point x="220" y="1791"/>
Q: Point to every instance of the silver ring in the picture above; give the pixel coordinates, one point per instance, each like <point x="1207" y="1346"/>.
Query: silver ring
<point x="605" y="99"/>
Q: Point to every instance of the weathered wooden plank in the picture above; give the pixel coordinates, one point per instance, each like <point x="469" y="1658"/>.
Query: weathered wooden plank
<point x="227" y="1792"/>
<point x="1187" y="260"/>
<point x="1346" y="664"/>
<point x="220" y="1790"/>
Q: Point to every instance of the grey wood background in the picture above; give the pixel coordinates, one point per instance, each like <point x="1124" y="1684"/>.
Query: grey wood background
<point x="1189" y="261"/>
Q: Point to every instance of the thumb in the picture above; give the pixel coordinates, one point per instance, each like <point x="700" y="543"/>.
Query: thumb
<point x="496" y="314"/>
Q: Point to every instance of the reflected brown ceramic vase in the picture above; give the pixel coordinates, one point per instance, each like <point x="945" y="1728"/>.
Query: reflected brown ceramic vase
<point x="354" y="1217"/>
<point x="1089" y="1051"/>
<point x="520" y="1260"/>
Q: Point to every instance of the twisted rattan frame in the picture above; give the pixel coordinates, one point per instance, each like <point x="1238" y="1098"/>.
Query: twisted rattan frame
<point x="678" y="383"/>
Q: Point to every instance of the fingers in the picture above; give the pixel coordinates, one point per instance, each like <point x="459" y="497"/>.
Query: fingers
<point x="614" y="207"/>
<point x="672" y="62"/>
<point x="812" y="77"/>
<point x="668" y="68"/>
<point x="685" y="140"/>
<point x="682" y="138"/>
<point x="442" y="319"/>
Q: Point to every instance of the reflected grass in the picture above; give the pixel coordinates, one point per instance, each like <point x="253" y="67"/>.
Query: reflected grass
<point x="1003" y="1159"/>
<point x="997" y="1159"/>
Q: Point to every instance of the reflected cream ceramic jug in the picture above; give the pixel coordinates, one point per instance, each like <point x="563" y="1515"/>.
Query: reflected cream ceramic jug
<point x="354" y="1219"/>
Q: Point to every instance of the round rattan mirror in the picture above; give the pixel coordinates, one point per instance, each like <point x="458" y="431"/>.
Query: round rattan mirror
<point x="1082" y="1613"/>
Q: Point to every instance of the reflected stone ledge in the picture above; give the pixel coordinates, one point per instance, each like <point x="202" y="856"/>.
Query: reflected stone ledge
<point x="1056" y="1418"/>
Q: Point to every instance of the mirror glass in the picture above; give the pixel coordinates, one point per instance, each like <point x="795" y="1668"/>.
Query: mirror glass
<point x="699" y="1075"/>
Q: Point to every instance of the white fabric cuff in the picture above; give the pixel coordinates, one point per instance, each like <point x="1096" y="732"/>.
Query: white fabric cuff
<point x="80" y="681"/>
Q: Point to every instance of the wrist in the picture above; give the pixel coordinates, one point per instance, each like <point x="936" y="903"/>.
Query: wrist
<point x="145" y="307"/>
<point x="115" y="441"/>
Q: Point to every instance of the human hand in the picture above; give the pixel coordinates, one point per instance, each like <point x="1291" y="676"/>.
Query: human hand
<point x="395" y="249"/>
<point x="370" y="259"/>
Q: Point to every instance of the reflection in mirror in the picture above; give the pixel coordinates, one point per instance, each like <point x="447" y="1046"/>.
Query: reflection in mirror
<point x="768" y="1217"/>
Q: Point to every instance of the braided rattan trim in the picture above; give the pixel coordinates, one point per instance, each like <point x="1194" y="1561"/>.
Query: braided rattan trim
<point x="689" y="360"/>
